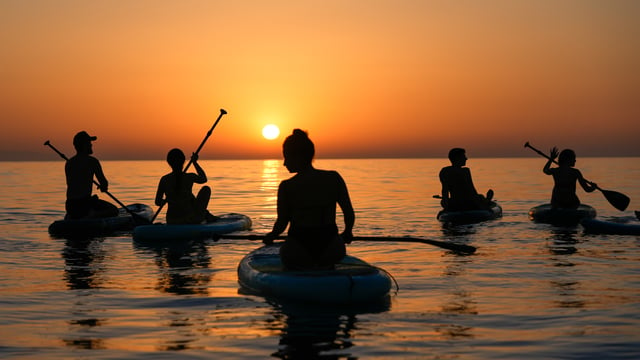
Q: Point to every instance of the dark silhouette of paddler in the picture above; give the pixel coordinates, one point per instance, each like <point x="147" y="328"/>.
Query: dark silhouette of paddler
<point x="80" y="171"/>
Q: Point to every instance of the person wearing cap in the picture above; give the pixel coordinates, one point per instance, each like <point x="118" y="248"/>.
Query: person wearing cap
<point x="80" y="171"/>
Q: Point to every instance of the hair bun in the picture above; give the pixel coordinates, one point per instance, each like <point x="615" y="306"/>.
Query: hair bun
<point x="300" y="133"/>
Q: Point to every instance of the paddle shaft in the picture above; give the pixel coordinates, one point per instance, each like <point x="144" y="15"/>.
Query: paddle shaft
<point x="47" y="143"/>
<point x="222" y="112"/>
<point x="442" y="244"/>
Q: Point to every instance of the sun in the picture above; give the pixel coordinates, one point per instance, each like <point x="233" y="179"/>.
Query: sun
<point x="270" y="132"/>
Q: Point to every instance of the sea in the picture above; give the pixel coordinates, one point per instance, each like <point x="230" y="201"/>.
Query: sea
<point x="530" y="291"/>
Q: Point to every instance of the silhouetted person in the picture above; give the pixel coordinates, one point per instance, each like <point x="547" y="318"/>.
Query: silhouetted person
<point x="307" y="203"/>
<point x="175" y="189"/>
<point x="565" y="177"/>
<point x="79" y="171"/>
<point x="458" y="191"/>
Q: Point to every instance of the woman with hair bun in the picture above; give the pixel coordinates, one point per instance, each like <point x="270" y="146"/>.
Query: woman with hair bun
<point x="307" y="204"/>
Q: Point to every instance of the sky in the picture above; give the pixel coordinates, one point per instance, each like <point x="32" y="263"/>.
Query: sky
<point x="365" y="78"/>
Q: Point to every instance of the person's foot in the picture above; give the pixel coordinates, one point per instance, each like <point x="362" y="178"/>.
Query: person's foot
<point x="490" y="194"/>
<point x="209" y="217"/>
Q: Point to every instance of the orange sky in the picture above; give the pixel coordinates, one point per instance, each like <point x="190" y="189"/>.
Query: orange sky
<point x="364" y="77"/>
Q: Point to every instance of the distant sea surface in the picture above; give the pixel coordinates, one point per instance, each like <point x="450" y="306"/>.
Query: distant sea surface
<point x="531" y="291"/>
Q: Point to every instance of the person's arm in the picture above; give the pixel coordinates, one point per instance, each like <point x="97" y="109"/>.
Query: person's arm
<point x="102" y="180"/>
<point x="588" y="186"/>
<point x="444" y="193"/>
<point x="283" y="217"/>
<point x="201" y="176"/>
<point x="552" y="156"/>
<point x="160" y="193"/>
<point x="344" y="201"/>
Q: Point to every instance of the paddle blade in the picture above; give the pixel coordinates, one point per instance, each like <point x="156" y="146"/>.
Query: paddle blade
<point x="618" y="200"/>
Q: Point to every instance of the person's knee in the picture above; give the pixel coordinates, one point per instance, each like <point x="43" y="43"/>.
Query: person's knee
<point x="205" y="191"/>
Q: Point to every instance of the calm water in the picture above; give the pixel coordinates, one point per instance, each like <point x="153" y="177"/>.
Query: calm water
<point x="531" y="291"/>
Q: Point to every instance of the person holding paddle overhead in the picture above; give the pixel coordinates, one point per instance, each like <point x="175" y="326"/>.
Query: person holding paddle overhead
<point x="175" y="189"/>
<point x="307" y="204"/>
<point x="458" y="191"/>
<point x="79" y="172"/>
<point x="565" y="177"/>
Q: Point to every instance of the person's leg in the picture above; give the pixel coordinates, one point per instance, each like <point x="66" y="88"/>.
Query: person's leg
<point x="202" y="199"/>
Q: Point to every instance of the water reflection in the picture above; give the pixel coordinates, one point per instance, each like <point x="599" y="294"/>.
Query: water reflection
<point x="183" y="266"/>
<point x="83" y="270"/>
<point x="270" y="181"/>
<point x="83" y="260"/>
<point x="460" y="302"/>
<point x="562" y="244"/>
<point x="318" y="332"/>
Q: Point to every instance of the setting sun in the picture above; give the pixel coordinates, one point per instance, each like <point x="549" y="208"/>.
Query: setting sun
<point x="270" y="132"/>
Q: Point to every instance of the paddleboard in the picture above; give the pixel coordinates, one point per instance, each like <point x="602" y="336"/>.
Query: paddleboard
<point x="595" y="226"/>
<point x="102" y="226"/>
<point x="559" y="216"/>
<point x="162" y="232"/>
<point x="470" y="216"/>
<point x="352" y="281"/>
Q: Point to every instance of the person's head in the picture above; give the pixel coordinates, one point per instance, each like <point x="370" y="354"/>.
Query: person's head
<point x="457" y="156"/>
<point x="298" y="151"/>
<point x="176" y="158"/>
<point x="567" y="157"/>
<point x="82" y="142"/>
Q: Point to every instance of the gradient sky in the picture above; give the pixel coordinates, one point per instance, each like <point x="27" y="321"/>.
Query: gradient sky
<point x="366" y="78"/>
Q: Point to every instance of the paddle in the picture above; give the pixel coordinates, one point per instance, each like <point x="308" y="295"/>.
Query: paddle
<point x="139" y="220"/>
<point x="222" y="112"/>
<point x="443" y="244"/>
<point x="618" y="200"/>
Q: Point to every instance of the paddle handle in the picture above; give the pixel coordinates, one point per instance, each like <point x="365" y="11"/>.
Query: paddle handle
<point x="222" y="112"/>
<point x="539" y="152"/>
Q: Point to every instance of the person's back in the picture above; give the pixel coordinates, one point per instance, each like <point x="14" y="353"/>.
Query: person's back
<point x="460" y="187"/>
<point x="79" y="172"/>
<point x="312" y="198"/>
<point x="458" y="192"/>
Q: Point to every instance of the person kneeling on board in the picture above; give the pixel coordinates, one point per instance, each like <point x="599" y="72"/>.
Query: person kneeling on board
<point x="307" y="204"/>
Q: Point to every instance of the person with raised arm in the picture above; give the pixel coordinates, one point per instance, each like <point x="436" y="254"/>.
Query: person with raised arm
<point x="175" y="189"/>
<point x="565" y="177"/>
